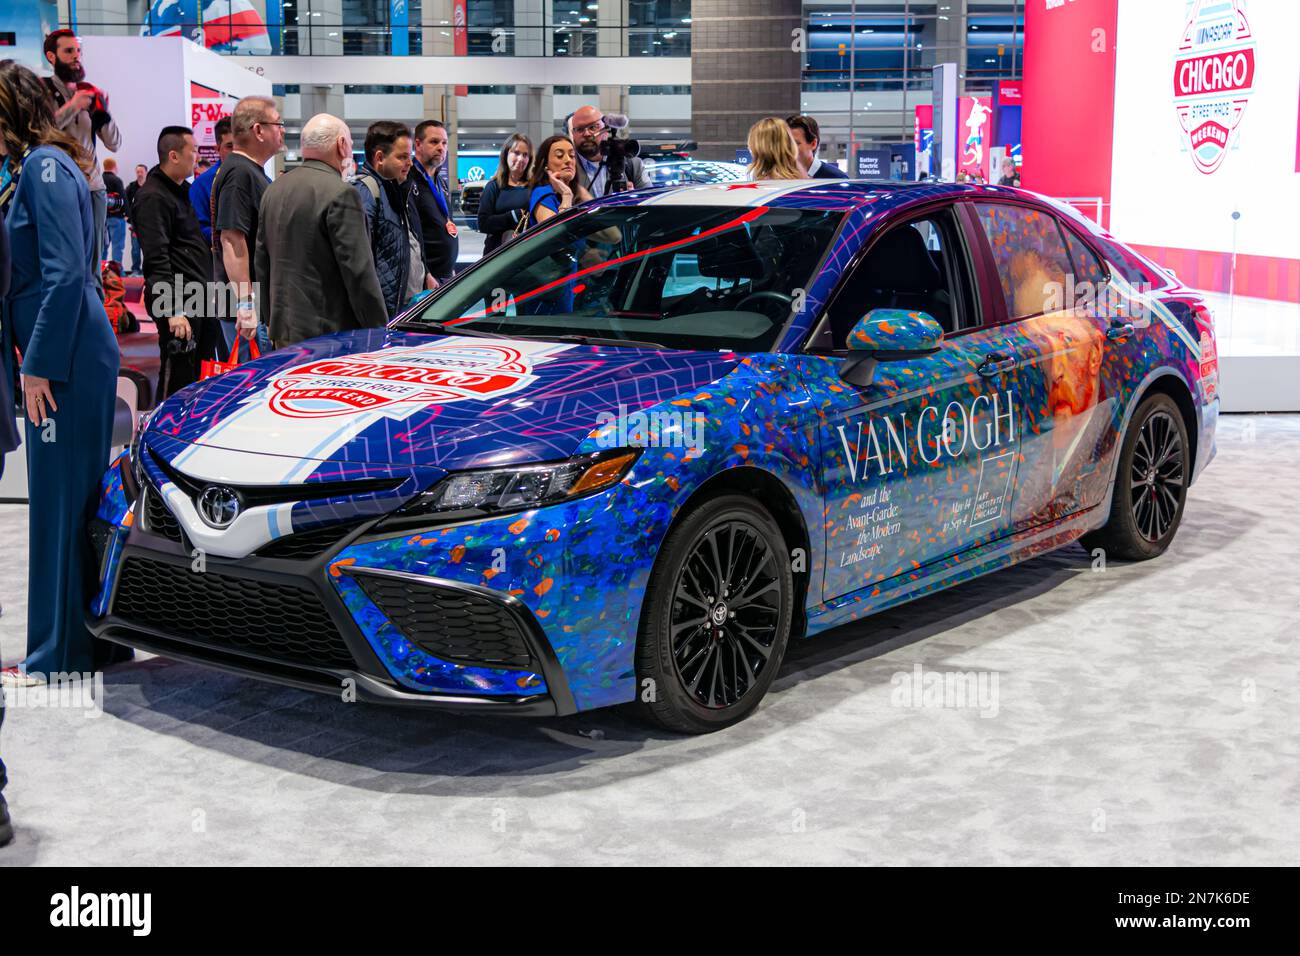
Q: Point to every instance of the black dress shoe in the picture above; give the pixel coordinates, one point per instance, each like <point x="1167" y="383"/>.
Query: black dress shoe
<point x="6" y="827"/>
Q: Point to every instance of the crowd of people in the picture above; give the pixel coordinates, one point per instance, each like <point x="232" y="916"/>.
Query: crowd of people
<point x="328" y="246"/>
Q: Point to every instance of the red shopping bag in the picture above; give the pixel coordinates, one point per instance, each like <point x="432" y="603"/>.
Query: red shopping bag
<point x="210" y="367"/>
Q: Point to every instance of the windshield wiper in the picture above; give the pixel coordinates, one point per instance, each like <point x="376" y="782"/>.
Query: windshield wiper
<point x="590" y="340"/>
<point x="417" y="325"/>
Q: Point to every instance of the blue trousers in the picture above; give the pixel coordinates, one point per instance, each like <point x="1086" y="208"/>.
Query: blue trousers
<point x="117" y="239"/>
<point x="64" y="467"/>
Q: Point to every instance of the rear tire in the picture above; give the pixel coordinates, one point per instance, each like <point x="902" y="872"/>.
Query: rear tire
<point x="717" y="618"/>
<point x="1150" y="484"/>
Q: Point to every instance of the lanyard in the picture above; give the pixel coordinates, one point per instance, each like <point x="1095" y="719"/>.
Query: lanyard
<point x="437" y="193"/>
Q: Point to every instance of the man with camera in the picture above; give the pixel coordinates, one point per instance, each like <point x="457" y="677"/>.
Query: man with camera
<point x="81" y="110"/>
<point x="606" y="163"/>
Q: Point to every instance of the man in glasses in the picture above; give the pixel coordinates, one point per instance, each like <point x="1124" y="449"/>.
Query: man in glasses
<point x="237" y="191"/>
<point x="588" y="130"/>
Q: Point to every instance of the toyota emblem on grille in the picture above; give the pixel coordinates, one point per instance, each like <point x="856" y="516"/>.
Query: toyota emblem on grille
<point x="219" y="505"/>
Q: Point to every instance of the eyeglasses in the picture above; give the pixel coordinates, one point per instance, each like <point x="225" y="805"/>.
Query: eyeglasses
<point x="267" y="123"/>
<point x="595" y="127"/>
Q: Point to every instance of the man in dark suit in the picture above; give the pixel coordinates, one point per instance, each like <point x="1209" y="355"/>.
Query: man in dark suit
<point x="313" y="254"/>
<point x="807" y="140"/>
<point x="441" y="239"/>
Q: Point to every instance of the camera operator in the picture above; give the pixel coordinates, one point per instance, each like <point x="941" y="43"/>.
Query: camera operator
<point x="606" y="163"/>
<point x="81" y="110"/>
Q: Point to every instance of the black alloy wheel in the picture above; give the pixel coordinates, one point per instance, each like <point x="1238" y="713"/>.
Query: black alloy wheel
<point x="1157" y="479"/>
<point x="716" y="618"/>
<point x="727" y="607"/>
<point x="1151" y="480"/>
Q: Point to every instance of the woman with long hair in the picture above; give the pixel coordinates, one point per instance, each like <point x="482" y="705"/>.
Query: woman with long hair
<point x="774" y="154"/>
<point x="505" y="197"/>
<point x="54" y="317"/>
<point x="553" y="184"/>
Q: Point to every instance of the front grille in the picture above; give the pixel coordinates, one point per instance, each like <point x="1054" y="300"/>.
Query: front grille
<point x="158" y="518"/>
<point x="450" y="624"/>
<point x="306" y="544"/>
<point x="278" y="621"/>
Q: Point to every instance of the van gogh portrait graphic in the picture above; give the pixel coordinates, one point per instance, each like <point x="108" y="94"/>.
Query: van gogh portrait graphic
<point x="1069" y="346"/>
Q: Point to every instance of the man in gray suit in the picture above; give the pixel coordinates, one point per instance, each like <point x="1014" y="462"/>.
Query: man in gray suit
<point x="587" y="129"/>
<point x="314" y="264"/>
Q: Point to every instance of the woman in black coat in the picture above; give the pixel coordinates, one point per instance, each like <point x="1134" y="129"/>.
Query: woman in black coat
<point x="505" y="198"/>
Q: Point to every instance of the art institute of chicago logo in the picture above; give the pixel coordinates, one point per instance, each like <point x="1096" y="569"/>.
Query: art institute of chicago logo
<point x="1214" y="75"/>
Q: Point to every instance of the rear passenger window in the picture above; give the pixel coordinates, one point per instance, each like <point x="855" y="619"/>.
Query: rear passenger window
<point x="1030" y="255"/>
<point x="1087" y="267"/>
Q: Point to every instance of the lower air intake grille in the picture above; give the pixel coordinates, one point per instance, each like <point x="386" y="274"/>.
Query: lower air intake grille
<point x="306" y="544"/>
<point x="450" y="624"/>
<point x="158" y="518"/>
<point x="278" y="621"/>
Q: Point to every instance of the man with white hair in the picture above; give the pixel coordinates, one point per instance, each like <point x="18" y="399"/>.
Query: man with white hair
<point x="313" y="252"/>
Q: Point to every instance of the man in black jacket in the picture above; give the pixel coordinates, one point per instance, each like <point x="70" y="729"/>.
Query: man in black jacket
<point x="384" y="186"/>
<point x="441" y="239"/>
<point x="132" y="190"/>
<point x="177" y="263"/>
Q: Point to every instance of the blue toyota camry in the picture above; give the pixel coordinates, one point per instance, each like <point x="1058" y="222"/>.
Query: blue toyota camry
<point x="630" y="456"/>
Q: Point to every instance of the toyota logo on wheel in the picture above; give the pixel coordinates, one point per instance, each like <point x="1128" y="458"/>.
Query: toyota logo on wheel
<point x="219" y="505"/>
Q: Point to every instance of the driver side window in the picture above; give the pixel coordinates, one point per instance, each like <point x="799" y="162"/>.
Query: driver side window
<point x="909" y="267"/>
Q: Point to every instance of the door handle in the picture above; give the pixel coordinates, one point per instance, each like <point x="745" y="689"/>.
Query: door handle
<point x="995" y="363"/>
<point x="1120" y="331"/>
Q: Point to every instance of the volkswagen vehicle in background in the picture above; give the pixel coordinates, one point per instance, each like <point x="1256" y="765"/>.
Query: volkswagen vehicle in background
<point x="631" y="456"/>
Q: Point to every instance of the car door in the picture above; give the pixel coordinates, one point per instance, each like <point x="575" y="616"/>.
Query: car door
<point x="1051" y="286"/>
<point x="920" y="464"/>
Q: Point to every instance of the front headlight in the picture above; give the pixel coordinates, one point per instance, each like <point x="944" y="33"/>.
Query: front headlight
<point x="492" y="491"/>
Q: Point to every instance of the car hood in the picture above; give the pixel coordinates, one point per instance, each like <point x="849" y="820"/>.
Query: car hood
<point x="378" y="400"/>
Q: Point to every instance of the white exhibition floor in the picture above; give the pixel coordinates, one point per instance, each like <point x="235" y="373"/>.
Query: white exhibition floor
<point x="1145" y="714"/>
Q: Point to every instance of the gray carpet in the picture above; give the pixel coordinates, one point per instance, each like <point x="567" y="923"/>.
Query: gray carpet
<point x="1146" y="714"/>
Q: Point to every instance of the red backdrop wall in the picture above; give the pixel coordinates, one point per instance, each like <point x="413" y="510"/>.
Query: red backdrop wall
<point x="1068" y="115"/>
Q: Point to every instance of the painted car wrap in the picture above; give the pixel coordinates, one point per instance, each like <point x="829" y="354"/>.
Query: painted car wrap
<point x="929" y="476"/>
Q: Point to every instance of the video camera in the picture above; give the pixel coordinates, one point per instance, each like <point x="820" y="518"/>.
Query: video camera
<point x="616" y="149"/>
<point x="98" y="108"/>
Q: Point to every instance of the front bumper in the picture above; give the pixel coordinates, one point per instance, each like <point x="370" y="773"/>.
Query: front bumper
<point x="286" y="621"/>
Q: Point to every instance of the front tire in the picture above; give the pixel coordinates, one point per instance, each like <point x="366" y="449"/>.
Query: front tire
<point x="717" y="618"/>
<point x="1150" y="484"/>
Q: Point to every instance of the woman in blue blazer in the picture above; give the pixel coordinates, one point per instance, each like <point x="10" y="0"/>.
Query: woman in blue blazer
<point x="69" y="370"/>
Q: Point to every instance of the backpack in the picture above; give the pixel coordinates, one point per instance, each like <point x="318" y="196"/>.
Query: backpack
<point x="119" y="316"/>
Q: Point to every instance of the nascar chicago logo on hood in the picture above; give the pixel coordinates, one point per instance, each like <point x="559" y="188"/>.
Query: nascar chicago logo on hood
<point x="408" y="377"/>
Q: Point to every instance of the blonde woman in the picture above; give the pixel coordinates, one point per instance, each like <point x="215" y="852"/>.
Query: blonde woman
<point x="772" y="147"/>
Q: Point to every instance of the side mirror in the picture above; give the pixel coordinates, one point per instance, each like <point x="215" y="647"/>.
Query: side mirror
<point x="888" y="335"/>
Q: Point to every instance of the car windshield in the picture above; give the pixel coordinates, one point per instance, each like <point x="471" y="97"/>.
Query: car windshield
<point x="687" y="277"/>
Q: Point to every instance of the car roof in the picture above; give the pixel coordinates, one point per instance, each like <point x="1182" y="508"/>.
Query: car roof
<point x="828" y="194"/>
